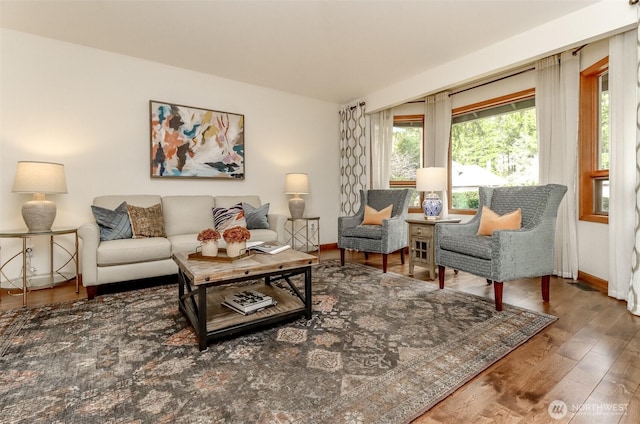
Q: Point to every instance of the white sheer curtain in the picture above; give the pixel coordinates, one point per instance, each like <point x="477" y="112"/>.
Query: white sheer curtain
<point x="353" y="157"/>
<point x="622" y="169"/>
<point x="381" y="135"/>
<point x="557" y="102"/>
<point x="633" y="302"/>
<point x="437" y="133"/>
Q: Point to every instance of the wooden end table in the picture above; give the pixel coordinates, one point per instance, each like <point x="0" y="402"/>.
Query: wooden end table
<point x="421" y="242"/>
<point x="200" y="295"/>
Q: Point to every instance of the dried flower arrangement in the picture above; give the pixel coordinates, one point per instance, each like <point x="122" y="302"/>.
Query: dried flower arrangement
<point x="208" y="234"/>
<point x="236" y="234"/>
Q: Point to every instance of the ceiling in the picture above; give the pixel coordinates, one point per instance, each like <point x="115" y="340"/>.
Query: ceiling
<point x="333" y="50"/>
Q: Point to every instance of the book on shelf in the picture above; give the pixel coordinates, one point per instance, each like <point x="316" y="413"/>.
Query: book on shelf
<point x="248" y="301"/>
<point x="271" y="247"/>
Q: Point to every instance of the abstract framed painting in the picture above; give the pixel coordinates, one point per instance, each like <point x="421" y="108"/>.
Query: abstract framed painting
<point x="190" y="142"/>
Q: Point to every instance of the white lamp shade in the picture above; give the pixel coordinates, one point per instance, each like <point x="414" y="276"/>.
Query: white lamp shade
<point x="431" y="179"/>
<point x="296" y="184"/>
<point x="39" y="177"/>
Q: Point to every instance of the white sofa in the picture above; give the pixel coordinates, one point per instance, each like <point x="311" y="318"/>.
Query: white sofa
<point x="105" y="262"/>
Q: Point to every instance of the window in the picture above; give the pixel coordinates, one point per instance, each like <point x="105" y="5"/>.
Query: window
<point x="493" y="143"/>
<point x="406" y="155"/>
<point x="594" y="142"/>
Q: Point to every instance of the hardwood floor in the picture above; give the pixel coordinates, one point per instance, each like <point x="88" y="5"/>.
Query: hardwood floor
<point x="589" y="358"/>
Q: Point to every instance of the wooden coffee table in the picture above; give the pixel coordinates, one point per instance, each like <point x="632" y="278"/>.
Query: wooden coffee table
<point x="204" y="284"/>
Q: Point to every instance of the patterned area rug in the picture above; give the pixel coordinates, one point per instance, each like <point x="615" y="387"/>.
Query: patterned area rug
<point x="380" y="348"/>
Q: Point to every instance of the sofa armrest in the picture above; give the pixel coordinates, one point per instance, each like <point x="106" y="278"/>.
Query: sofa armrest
<point x="394" y="233"/>
<point x="457" y="229"/>
<point x="277" y="222"/>
<point x="90" y="235"/>
<point x="348" y="222"/>
<point x="522" y="253"/>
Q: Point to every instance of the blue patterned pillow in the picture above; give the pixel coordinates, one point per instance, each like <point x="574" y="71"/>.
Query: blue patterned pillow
<point x="256" y="217"/>
<point x="114" y="225"/>
<point x="224" y="218"/>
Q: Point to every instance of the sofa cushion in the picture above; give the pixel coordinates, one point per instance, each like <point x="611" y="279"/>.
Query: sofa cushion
<point x="225" y="218"/>
<point x="229" y="201"/>
<point x="263" y="235"/>
<point x="373" y="232"/>
<point x="256" y="217"/>
<point x="184" y="243"/>
<point x="147" y="222"/>
<point x="187" y="214"/>
<point x="477" y="246"/>
<point x="112" y="201"/>
<point x="113" y="224"/>
<point x="127" y="251"/>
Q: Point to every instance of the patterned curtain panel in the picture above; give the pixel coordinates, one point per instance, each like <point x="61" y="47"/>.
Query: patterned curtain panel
<point x="633" y="303"/>
<point x="353" y="157"/>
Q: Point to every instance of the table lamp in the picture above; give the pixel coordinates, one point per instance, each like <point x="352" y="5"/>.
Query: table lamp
<point x="39" y="178"/>
<point x="296" y="184"/>
<point x="430" y="180"/>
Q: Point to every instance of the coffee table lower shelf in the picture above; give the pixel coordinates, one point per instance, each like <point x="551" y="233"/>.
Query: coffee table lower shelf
<point x="202" y="305"/>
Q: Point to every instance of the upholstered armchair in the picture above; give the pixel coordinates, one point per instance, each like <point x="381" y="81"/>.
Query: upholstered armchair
<point x="506" y="254"/>
<point x="388" y="237"/>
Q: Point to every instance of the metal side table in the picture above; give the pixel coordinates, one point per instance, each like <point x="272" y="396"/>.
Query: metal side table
<point x="25" y="235"/>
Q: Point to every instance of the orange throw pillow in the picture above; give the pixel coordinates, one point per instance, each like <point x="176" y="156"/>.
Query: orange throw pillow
<point x="374" y="217"/>
<point x="491" y="221"/>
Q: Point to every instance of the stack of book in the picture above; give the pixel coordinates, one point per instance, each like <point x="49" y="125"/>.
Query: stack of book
<point x="248" y="301"/>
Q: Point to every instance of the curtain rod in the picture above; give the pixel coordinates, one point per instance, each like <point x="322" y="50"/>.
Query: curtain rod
<point x="510" y="75"/>
<point x="492" y="81"/>
<point x="355" y="106"/>
<point x="515" y="74"/>
<point x="575" y="52"/>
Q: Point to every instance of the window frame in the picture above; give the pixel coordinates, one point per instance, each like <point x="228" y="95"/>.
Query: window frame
<point x="588" y="135"/>
<point x="485" y="104"/>
<point x="410" y="183"/>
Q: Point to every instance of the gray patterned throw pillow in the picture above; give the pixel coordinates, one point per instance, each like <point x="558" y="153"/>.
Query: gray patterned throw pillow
<point x="114" y="225"/>
<point x="256" y="217"/>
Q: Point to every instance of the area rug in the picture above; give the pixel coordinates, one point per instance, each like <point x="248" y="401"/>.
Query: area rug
<point x="380" y="348"/>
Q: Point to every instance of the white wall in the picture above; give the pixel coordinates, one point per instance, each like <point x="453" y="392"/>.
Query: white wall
<point x="89" y="109"/>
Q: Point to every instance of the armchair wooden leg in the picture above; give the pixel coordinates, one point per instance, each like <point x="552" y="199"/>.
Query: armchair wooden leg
<point x="384" y="262"/>
<point x="341" y="257"/>
<point x="441" y="276"/>
<point x="544" y="284"/>
<point x="402" y="256"/>
<point x="497" y="290"/>
<point x="366" y="256"/>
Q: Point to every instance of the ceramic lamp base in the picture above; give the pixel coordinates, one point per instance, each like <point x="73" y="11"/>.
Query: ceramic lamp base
<point x="39" y="215"/>
<point x="432" y="206"/>
<point x="296" y="207"/>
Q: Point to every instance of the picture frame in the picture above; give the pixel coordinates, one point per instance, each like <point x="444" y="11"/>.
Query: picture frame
<point x="192" y="142"/>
